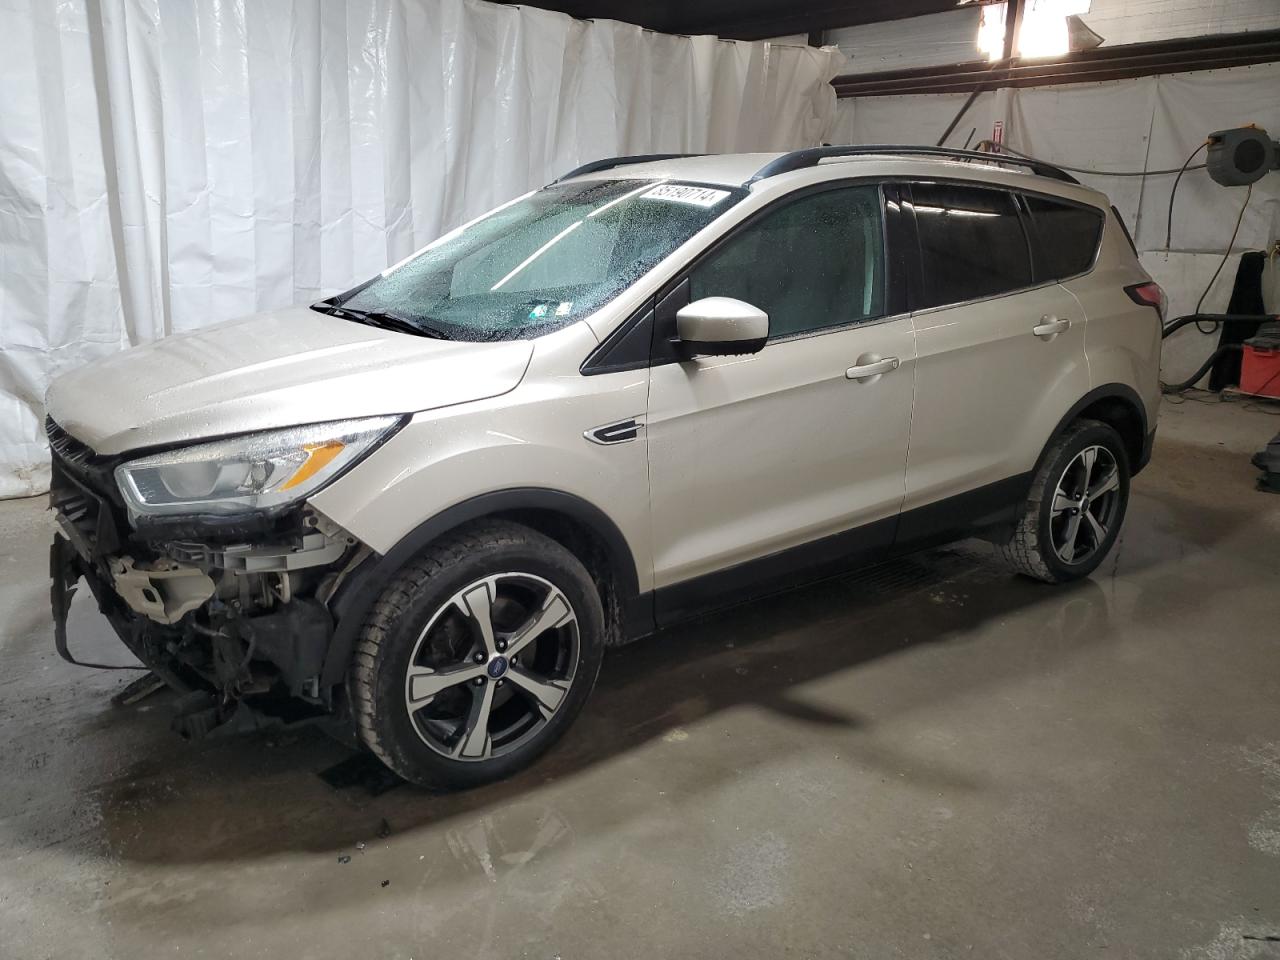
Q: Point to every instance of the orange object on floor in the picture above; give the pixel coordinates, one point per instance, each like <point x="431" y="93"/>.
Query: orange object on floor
<point x="1260" y="364"/>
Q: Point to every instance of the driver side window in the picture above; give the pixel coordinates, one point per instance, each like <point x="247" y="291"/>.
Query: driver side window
<point x="813" y="263"/>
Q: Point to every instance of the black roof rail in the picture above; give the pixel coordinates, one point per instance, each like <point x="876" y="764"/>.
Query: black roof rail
<point x="611" y="162"/>
<point x="800" y="159"/>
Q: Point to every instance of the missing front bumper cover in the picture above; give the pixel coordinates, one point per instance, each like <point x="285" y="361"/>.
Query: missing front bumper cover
<point x="164" y="591"/>
<point x="65" y="569"/>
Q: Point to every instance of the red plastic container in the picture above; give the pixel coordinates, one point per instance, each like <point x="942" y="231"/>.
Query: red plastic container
<point x="1260" y="365"/>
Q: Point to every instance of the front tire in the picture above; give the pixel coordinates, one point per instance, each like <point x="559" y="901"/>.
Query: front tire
<point x="1073" y="512"/>
<point x="477" y="657"/>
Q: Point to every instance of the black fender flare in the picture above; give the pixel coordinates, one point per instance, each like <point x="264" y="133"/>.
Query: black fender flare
<point x="359" y="591"/>
<point x="1107" y="391"/>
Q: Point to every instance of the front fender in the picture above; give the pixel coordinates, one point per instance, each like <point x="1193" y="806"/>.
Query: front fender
<point x="523" y="451"/>
<point x="360" y="590"/>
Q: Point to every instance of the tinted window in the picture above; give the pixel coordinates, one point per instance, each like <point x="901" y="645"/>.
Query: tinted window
<point x="1066" y="237"/>
<point x="543" y="261"/>
<point x="971" y="242"/>
<point x="816" y="262"/>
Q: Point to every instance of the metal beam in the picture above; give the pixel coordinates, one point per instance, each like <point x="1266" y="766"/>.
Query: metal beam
<point x="745" y="19"/>
<point x="1012" y="27"/>
<point x="1102" y="63"/>
<point x="760" y="19"/>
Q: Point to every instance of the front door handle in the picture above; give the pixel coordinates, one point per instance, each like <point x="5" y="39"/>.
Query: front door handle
<point x="870" y="367"/>
<point x="1049" y="327"/>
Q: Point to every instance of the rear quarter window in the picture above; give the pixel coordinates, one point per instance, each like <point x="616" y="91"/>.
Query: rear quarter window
<point x="1066" y="237"/>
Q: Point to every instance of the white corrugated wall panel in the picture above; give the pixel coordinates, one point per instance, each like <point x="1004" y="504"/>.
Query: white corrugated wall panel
<point x="929" y="41"/>
<point x="1142" y="21"/>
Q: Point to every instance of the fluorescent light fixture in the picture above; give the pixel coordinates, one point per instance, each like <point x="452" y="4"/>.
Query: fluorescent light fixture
<point x="1043" y="31"/>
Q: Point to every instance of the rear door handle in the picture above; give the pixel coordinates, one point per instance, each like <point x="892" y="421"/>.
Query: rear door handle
<point x="870" y="367"/>
<point x="1050" y="327"/>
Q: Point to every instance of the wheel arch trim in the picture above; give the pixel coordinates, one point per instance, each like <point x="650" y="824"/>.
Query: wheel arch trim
<point x="1108" y="391"/>
<point x="358" y="593"/>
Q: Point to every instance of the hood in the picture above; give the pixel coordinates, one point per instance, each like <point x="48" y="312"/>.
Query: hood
<point x="277" y="369"/>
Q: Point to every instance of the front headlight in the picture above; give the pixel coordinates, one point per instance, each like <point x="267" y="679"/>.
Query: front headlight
<point x="255" y="472"/>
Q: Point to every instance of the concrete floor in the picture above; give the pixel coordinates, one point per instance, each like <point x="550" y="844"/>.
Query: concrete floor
<point x="929" y="760"/>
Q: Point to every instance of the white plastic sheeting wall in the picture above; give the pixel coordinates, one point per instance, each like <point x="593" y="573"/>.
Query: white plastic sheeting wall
<point x="1150" y="123"/>
<point x="170" y="163"/>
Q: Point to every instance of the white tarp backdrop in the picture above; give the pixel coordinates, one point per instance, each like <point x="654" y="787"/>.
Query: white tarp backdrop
<point x="170" y="163"/>
<point x="1150" y="123"/>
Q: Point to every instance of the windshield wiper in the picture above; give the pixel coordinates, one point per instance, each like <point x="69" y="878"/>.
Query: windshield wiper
<point x="379" y="319"/>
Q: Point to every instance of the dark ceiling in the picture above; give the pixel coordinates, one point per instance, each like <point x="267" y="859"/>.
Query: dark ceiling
<point x="745" y="19"/>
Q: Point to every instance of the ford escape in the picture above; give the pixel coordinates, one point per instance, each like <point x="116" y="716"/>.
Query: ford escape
<point x="424" y="507"/>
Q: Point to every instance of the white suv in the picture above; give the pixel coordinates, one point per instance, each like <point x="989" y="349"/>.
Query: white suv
<point x="655" y="387"/>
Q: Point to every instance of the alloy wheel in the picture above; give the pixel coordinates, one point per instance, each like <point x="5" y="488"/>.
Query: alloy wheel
<point x="492" y="666"/>
<point x="1085" y="504"/>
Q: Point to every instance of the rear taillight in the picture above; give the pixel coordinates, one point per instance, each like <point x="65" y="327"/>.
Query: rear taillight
<point x="1148" y="294"/>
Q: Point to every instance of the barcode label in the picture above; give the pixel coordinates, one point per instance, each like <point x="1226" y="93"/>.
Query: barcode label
<point x="677" y="193"/>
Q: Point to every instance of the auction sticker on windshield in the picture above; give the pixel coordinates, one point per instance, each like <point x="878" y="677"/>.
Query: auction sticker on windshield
<point x="678" y="193"/>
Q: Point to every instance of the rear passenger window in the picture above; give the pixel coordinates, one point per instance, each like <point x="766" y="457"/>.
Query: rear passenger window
<point x="971" y="243"/>
<point x="1066" y="237"/>
<point x="815" y="262"/>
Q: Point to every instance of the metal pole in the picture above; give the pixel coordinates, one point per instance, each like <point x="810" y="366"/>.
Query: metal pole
<point x="1012" y="24"/>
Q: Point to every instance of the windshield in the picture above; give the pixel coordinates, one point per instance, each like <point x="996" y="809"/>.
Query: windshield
<point x="540" y="263"/>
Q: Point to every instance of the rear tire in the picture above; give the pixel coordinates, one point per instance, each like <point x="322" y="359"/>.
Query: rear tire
<point x="1073" y="512"/>
<point x="477" y="656"/>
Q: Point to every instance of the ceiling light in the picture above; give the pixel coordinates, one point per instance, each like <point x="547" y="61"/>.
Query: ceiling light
<point x="1048" y="28"/>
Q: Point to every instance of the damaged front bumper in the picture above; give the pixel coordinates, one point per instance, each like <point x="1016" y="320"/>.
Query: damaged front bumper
<point x="234" y="614"/>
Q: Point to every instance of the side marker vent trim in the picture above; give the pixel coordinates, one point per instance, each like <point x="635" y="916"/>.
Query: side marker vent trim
<point x="623" y="431"/>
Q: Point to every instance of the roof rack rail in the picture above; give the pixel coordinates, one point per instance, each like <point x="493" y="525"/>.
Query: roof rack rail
<point x="800" y="159"/>
<point x="611" y="162"/>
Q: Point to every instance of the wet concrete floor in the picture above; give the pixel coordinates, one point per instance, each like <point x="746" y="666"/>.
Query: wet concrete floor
<point x="929" y="759"/>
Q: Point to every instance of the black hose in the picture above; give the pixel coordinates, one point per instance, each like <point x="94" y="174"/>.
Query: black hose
<point x="1175" y="325"/>
<point x="993" y="147"/>
<point x="1173" y="192"/>
<point x="1204" y="368"/>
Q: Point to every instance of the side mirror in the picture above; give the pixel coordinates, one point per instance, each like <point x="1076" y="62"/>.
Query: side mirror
<point x="721" y="327"/>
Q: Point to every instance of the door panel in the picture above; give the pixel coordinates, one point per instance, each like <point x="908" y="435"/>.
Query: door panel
<point x="749" y="456"/>
<point x="755" y="455"/>
<point x="990" y="391"/>
<point x="1000" y="360"/>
